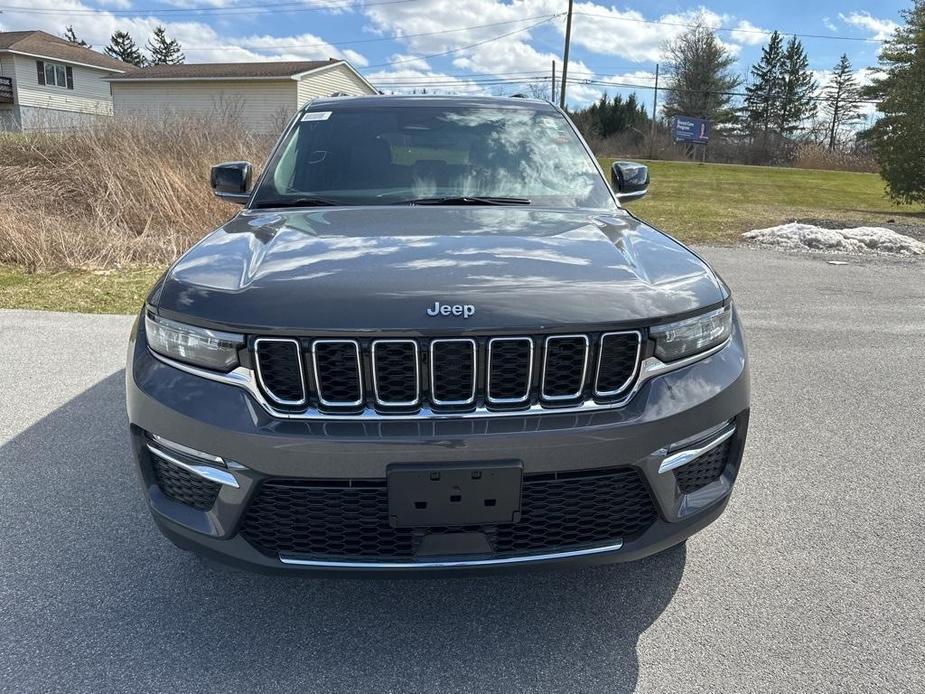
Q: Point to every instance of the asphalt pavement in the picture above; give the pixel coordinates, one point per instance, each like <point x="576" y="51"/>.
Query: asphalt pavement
<point x="811" y="581"/>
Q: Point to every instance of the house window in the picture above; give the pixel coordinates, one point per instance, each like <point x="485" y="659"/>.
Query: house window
<point x="55" y="74"/>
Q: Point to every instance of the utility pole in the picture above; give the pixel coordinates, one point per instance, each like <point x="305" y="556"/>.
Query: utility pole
<point x="654" y="111"/>
<point x="552" y="97"/>
<point x="568" y="40"/>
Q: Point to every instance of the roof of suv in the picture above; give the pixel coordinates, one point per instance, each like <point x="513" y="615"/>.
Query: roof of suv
<point x="332" y="103"/>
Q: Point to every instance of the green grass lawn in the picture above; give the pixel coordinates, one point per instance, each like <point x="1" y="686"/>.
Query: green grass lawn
<point x="116" y="291"/>
<point x="715" y="203"/>
<point x="711" y="203"/>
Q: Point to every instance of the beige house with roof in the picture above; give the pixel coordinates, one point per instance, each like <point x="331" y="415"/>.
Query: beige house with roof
<point x="261" y="95"/>
<point x="48" y="83"/>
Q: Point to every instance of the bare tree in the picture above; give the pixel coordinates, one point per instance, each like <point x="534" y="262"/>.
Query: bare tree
<point x="701" y="76"/>
<point x="539" y="90"/>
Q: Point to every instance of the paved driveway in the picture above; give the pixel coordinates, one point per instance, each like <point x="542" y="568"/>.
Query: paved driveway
<point x="812" y="580"/>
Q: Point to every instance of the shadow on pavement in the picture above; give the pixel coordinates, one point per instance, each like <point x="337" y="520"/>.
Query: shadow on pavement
<point x="96" y="600"/>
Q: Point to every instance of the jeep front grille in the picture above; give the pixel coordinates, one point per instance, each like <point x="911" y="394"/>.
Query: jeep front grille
<point x="396" y="373"/>
<point x="446" y="375"/>
<point x="510" y="370"/>
<point x="338" y="376"/>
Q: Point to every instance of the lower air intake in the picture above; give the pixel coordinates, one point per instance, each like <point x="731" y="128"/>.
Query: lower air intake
<point x="337" y="519"/>
<point x="703" y="470"/>
<point x="183" y="486"/>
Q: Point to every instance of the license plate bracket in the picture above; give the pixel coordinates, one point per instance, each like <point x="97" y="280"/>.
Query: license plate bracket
<point x="464" y="494"/>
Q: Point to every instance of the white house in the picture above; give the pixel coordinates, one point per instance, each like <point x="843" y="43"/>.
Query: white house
<point x="48" y="83"/>
<point x="262" y="95"/>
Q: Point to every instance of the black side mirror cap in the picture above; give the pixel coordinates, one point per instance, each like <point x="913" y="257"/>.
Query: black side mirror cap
<point x="231" y="181"/>
<point x="630" y="180"/>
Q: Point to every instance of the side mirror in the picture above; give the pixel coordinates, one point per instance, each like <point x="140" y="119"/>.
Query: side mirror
<point x="630" y="180"/>
<point x="231" y="181"/>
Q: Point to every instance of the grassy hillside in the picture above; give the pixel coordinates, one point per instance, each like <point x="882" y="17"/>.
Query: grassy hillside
<point x="715" y="203"/>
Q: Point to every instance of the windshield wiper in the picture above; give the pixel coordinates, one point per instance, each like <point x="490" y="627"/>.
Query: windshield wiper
<point x="298" y="202"/>
<point x="466" y="200"/>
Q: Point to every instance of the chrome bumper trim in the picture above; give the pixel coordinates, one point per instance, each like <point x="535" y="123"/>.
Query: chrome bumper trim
<point x="244" y="378"/>
<point x="676" y="460"/>
<point x="206" y="472"/>
<point x="450" y="563"/>
<point x="186" y="450"/>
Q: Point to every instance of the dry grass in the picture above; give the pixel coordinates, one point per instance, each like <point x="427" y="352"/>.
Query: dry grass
<point x="816" y="156"/>
<point x="123" y="193"/>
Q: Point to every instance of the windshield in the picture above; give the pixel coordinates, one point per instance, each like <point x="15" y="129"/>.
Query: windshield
<point x="393" y="154"/>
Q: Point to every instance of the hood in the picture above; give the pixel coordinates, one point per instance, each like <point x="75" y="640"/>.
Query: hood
<point x="381" y="268"/>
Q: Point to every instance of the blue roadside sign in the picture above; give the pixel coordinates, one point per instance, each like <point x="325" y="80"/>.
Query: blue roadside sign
<point x="696" y="131"/>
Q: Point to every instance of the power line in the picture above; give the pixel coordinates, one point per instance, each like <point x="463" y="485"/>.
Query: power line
<point x="393" y="37"/>
<point x="467" y="47"/>
<point x="230" y="10"/>
<point x="513" y="78"/>
<point x="762" y="32"/>
<point x="627" y="85"/>
<point x="474" y="77"/>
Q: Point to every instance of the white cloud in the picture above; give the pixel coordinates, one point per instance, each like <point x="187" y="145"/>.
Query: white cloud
<point x="525" y="54"/>
<point x="882" y="29"/>
<point x="412" y="74"/>
<point x="749" y="34"/>
<point x="201" y="42"/>
<point x="596" y="28"/>
<point x="829" y="24"/>
<point x="629" y="34"/>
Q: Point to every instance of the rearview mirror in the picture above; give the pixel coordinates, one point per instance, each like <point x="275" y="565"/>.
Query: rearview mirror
<point x="630" y="180"/>
<point x="231" y="181"/>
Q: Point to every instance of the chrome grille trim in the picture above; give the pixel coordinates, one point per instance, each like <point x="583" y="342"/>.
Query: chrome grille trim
<point x="520" y="558"/>
<point x="356" y="351"/>
<point x="246" y="380"/>
<point x="584" y="368"/>
<point x="600" y="354"/>
<point x="298" y="348"/>
<point x="454" y="403"/>
<point x="417" y="372"/>
<point x="509" y="401"/>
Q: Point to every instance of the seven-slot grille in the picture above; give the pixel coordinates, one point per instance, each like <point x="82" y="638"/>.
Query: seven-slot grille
<point x="402" y="375"/>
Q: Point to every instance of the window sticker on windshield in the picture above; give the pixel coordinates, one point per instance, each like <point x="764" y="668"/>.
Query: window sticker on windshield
<point x="316" y="115"/>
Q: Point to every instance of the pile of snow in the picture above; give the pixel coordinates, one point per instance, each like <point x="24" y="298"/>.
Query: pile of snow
<point x="803" y="237"/>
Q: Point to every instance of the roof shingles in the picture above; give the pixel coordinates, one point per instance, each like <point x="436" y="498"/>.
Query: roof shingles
<point x="45" y="45"/>
<point x="266" y="70"/>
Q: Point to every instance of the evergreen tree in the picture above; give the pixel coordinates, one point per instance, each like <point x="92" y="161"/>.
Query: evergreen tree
<point x="898" y="137"/>
<point x="71" y="36"/>
<point x="700" y="76"/>
<point x="798" y="89"/>
<point x="122" y="47"/>
<point x="164" y="51"/>
<point x="608" y="116"/>
<point x="763" y="95"/>
<point x="841" y="101"/>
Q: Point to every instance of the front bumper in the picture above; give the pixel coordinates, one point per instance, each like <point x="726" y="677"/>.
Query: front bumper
<point x="671" y="414"/>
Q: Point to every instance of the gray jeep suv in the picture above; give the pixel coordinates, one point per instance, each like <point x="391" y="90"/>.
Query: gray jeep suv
<point x="432" y="339"/>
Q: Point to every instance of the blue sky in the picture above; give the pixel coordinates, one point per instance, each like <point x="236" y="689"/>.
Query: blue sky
<point x="457" y="46"/>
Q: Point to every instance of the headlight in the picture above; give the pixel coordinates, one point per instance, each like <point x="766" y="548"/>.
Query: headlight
<point x="210" y="349"/>
<point x="688" y="337"/>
